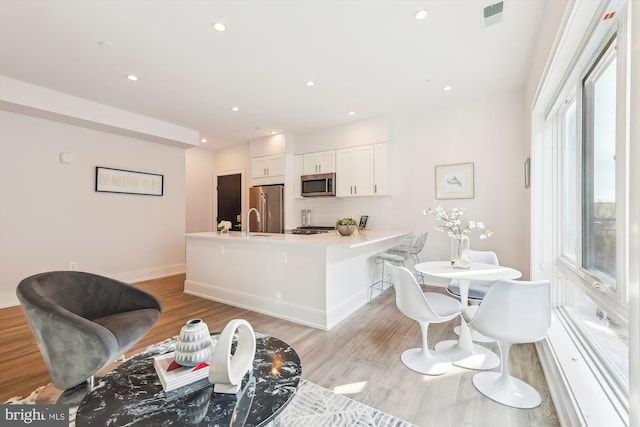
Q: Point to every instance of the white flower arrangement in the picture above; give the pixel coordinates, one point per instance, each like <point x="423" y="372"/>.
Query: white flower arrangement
<point x="453" y="226"/>
<point x="224" y="226"/>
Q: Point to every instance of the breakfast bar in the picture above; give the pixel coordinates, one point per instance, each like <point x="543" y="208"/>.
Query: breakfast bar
<point x="317" y="280"/>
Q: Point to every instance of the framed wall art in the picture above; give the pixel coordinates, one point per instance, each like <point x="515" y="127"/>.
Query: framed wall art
<point x="454" y="181"/>
<point x="110" y="180"/>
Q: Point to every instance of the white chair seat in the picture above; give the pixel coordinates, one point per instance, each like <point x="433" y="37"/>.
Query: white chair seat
<point x="443" y="305"/>
<point x="386" y="256"/>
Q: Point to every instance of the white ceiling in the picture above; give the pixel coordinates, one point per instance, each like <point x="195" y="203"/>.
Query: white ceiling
<point x="370" y="57"/>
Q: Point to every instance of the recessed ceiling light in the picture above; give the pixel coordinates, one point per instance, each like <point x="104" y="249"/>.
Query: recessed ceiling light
<point x="132" y="77"/>
<point x="421" y="14"/>
<point x="447" y="88"/>
<point x="273" y="132"/>
<point x="235" y="109"/>
<point x="203" y="140"/>
<point x="310" y="83"/>
<point x="351" y="113"/>
<point x="219" y="26"/>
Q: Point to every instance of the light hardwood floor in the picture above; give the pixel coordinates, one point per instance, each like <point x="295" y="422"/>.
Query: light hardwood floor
<point x="360" y="358"/>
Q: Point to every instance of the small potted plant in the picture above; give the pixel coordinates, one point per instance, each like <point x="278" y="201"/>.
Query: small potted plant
<point x="346" y="226"/>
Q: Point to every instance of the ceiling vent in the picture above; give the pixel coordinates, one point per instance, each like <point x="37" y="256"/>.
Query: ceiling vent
<point x="492" y="14"/>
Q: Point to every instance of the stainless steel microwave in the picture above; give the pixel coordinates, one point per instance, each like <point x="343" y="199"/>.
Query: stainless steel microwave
<point x="319" y="185"/>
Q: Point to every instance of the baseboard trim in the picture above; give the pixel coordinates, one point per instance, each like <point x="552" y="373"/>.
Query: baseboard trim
<point x="293" y="313"/>
<point x="150" y="273"/>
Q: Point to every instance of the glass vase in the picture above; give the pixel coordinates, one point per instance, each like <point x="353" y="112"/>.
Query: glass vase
<point x="460" y="252"/>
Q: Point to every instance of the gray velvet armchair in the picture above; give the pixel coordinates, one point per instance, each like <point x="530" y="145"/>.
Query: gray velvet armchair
<point x="83" y="321"/>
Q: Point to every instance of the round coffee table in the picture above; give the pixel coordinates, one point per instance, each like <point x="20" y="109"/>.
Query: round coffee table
<point x="132" y="394"/>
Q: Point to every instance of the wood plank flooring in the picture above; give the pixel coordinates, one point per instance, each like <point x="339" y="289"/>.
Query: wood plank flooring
<point x="359" y="358"/>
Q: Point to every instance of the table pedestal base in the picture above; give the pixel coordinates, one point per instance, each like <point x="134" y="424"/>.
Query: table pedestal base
<point x="428" y="364"/>
<point x="475" y="336"/>
<point x="478" y="357"/>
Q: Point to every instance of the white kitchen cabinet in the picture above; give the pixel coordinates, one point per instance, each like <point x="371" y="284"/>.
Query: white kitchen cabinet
<point x="268" y="166"/>
<point x="355" y="171"/>
<point x="380" y="176"/>
<point x="320" y="162"/>
<point x="298" y="168"/>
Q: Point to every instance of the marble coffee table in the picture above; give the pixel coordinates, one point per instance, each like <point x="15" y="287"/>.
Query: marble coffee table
<point x="132" y="394"/>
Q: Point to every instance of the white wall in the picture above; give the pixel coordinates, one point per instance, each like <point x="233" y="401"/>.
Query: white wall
<point x="491" y="133"/>
<point x="50" y="214"/>
<point x="199" y="187"/>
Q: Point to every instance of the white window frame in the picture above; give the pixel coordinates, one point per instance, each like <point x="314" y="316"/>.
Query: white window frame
<point x="581" y="397"/>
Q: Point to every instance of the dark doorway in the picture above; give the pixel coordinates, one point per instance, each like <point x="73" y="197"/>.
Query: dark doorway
<point x="230" y="200"/>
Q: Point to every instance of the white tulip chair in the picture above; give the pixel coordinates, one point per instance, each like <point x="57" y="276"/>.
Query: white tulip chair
<point x="512" y="312"/>
<point x="424" y="308"/>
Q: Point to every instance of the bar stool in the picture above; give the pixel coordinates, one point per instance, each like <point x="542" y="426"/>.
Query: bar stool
<point x="413" y="250"/>
<point x="396" y="259"/>
<point x="397" y="255"/>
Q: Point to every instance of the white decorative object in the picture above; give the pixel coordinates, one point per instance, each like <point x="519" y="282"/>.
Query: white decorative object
<point x="226" y="371"/>
<point x="194" y="344"/>
<point x="458" y="232"/>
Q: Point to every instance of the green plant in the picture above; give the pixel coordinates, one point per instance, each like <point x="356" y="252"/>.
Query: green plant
<point x="346" y="221"/>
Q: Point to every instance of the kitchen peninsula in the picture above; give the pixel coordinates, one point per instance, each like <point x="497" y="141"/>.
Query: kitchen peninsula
<point x="317" y="280"/>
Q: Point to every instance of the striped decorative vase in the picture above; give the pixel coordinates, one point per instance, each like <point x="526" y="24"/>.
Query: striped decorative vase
<point x="194" y="344"/>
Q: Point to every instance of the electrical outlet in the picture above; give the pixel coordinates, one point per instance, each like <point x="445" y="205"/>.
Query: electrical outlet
<point x="74" y="265"/>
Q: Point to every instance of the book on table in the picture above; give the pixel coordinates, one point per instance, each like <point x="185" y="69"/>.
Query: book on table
<point x="173" y="375"/>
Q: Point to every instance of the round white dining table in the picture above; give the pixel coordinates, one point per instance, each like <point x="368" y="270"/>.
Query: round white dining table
<point x="463" y="352"/>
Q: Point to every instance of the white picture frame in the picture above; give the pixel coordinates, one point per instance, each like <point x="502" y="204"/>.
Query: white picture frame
<point x="455" y="181"/>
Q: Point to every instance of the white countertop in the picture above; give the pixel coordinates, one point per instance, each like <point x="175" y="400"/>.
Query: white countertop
<point x="332" y="238"/>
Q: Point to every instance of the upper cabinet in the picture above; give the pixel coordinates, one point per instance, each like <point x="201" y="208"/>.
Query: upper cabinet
<point x="320" y="162"/>
<point x="361" y="171"/>
<point x="268" y="166"/>
<point x="269" y="159"/>
<point x="354" y="171"/>
<point x="380" y="176"/>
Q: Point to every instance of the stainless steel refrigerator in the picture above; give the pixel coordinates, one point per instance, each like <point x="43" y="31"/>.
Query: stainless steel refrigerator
<point x="269" y="201"/>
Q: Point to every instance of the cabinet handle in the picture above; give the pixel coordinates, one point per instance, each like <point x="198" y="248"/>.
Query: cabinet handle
<point x="319" y="168"/>
<point x="375" y="188"/>
<point x="351" y="189"/>
<point x="355" y="189"/>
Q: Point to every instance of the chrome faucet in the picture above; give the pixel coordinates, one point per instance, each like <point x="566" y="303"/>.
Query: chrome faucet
<point x="248" y="215"/>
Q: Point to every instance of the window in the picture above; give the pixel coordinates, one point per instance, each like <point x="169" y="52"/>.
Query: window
<point x="569" y="173"/>
<point x="584" y="212"/>
<point x="592" y="296"/>
<point x="599" y="166"/>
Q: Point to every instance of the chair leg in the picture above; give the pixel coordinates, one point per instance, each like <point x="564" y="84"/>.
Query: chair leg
<point x="424" y="361"/>
<point x="380" y="282"/>
<point x="505" y="389"/>
<point x="375" y="283"/>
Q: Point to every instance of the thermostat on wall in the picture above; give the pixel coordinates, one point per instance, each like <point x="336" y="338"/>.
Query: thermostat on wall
<point x="66" y="158"/>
